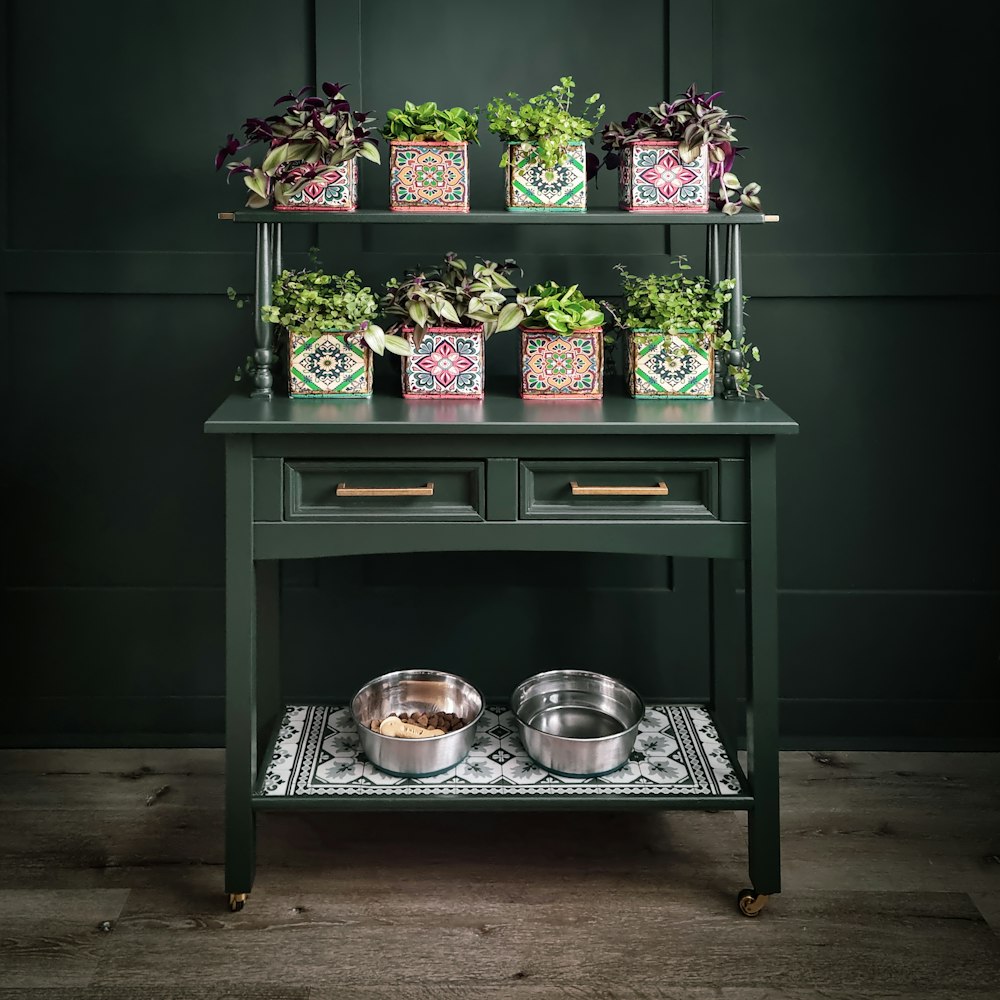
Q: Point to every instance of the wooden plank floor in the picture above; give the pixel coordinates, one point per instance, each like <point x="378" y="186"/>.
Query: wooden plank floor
<point x="111" y="875"/>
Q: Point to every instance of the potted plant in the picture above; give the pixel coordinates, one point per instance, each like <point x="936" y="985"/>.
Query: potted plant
<point x="672" y="323"/>
<point x="562" y="344"/>
<point x="312" y="148"/>
<point x="429" y="157"/>
<point x="544" y="157"/>
<point x="447" y="314"/>
<point x="668" y="156"/>
<point x="331" y="333"/>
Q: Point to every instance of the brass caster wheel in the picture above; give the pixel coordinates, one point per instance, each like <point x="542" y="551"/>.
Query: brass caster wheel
<point x="750" y="902"/>
<point x="237" y="900"/>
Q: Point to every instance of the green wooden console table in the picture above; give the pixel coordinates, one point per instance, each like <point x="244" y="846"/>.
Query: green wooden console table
<point x="311" y="478"/>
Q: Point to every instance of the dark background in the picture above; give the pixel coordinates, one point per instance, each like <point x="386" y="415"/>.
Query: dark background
<point x="870" y="303"/>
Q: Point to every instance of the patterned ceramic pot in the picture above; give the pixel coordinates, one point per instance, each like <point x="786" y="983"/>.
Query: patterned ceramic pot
<point x="653" y="178"/>
<point x="326" y="365"/>
<point x="428" y="176"/>
<point x="448" y="364"/>
<point x="562" y="365"/>
<point x="531" y="187"/>
<point x="334" y="190"/>
<point x="664" y="365"/>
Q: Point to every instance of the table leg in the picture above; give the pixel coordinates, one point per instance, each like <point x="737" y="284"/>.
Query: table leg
<point x="723" y="668"/>
<point x="762" y="672"/>
<point x="268" y="681"/>
<point x="241" y="662"/>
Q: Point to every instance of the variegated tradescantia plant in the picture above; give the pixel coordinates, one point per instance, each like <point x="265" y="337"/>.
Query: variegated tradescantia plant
<point x="306" y="137"/>
<point x="454" y="295"/>
<point x="692" y="120"/>
<point x="562" y="308"/>
<point x="313" y="302"/>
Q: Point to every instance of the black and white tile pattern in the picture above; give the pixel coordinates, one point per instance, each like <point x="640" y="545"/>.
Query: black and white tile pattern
<point x="677" y="753"/>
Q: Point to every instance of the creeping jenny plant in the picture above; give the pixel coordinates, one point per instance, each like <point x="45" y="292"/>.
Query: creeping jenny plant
<point x="544" y="121"/>
<point x="313" y="302"/>
<point x="452" y="296"/>
<point x="429" y="123"/>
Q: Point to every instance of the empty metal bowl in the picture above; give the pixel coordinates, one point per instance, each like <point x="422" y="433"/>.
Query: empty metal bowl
<point x="577" y="723"/>
<point x="416" y="691"/>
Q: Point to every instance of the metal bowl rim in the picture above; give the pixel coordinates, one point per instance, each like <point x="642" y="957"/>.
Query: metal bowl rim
<point x="405" y="675"/>
<point x="579" y="739"/>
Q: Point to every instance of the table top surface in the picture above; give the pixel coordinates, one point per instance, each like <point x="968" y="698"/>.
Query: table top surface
<point x="501" y="412"/>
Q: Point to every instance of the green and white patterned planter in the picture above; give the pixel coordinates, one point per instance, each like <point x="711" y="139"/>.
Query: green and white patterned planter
<point x="328" y="366"/>
<point x="670" y="365"/>
<point x="530" y="187"/>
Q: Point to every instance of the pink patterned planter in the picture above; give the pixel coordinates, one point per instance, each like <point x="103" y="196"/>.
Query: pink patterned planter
<point x="653" y="178"/>
<point x="428" y="176"/>
<point x="448" y="364"/>
<point x="334" y="190"/>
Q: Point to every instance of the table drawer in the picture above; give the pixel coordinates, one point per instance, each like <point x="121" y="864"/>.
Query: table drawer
<point x="622" y="490"/>
<point x="384" y="491"/>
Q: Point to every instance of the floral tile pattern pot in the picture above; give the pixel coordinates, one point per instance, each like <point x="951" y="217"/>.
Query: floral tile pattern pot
<point x="562" y="365"/>
<point x="448" y="364"/>
<point x="653" y="178"/>
<point x="326" y="365"/>
<point x="334" y="190"/>
<point x="676" y="365"/>
<point x="531" y="186"/>
<point x="428" y="176"/>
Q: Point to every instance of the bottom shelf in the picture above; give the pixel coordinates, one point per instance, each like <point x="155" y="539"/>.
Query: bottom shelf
<point x="678" y="761"/>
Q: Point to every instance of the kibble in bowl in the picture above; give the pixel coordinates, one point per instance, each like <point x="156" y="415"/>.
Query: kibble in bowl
<point x="412" y="696"/>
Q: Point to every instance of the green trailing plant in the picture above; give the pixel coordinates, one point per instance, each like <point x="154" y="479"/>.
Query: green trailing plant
<point x="428" y="123"/>
<point x="454" y="295"/>
<point x="735" y="354"/>
<point x="309" y="135"/>
<point x="562" y="308"/>
<point x="544" y="122"/>
<point x="314" y="302"/>
<point x="692" y="120"/>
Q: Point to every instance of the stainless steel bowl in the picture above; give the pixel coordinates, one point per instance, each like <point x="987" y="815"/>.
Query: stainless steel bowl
<point x="416" y="691"/>
<point x="577" y="723"/>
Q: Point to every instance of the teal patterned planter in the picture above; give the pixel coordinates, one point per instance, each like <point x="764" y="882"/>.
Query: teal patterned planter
<point x="530" y="187"/>
<point x="675" y="365"/>
<point x="328" y="366"/>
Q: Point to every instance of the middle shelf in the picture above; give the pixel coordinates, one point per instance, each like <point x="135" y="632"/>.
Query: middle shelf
<point x="316" y="759"/>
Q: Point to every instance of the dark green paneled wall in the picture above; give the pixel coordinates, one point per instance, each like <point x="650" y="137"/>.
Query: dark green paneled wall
<point x="120" y="342"/>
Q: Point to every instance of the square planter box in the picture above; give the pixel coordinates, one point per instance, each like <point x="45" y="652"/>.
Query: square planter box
<point x="325" y="365"/>
<point x="562" y="365"/>
<point x="531" y="187"/>
<point x="653" y="178"/>
<point x="662" y="365"/>
<point x="334" y="190"/>
<point x="428" y="176"/>
<point x="448" y="364"/>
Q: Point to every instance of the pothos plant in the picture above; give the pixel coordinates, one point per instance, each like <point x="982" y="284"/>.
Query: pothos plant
<point x="314" y="302"/>
<point x="692" y="120"/>
<point x="454" y="295"/>
<point x="679" y="304"/>
<point x="429" y="123"/>
<point x="544" y="122"/>
<point x="309" y="135"/>
<point x="562" y="308"/>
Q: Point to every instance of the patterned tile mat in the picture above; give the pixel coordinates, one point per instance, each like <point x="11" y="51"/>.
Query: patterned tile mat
<point x="677" y="752"/>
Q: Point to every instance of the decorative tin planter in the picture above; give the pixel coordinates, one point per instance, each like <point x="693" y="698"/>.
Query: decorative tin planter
<point x="428" y="176"/>
<point x="334" y="190"/>
<point x="653" y="178"/>
<point x="448" y="364"/>
<point x="325" y="365"/>
<point x="531" y="186"/>
<point x="562" y="365"/>
<point x="677" y="365"/>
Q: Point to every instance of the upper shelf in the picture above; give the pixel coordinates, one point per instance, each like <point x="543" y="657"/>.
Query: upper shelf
<point x="593" y="216"/>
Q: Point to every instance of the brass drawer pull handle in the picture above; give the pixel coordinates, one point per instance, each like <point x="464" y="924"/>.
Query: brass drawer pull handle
<point x="343" y="490"/>
<point x="659" y="490"/>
